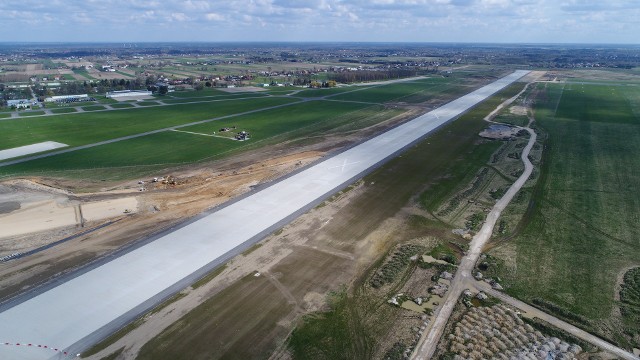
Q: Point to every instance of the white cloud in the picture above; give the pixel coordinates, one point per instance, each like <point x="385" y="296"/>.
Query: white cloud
<point x="178" y="17"/>
<point x="327" y="20"/>
<point x="214" y="17"/>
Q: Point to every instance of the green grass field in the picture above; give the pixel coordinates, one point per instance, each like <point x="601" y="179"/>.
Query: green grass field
<point x="84" y="73"/>
<point x="93" y="108"/>
<point x="169" y="100"/>
<point x="174" y="147"/>
<point x="411" y="92"/>
<point x="329" y="91"/>
<point x="63" y="110"/>
<point x="268" y="123"/>
<point x="32" y="113"/>
<point x="121" y="106"/>
<point x="212" y="330"/>
<point x="85" y="128"/>
<point x="583" y="230"/>
<point x="125" y="75"/>
<point x="193" y="93"/>
<point x="148" y="103"/>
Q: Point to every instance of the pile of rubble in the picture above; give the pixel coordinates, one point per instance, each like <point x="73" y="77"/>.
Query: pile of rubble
<point x="498" y="332"/>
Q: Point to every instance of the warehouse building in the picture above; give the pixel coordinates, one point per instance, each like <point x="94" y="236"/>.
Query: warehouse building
<point x="127" y="93"/>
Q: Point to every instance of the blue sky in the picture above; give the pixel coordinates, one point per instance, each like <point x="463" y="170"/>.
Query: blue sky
<point x="519" y="21"/>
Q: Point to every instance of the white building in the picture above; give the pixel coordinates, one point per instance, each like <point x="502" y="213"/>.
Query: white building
<point x="127" y="93"/>
<point x="21" y="103"/>
<point x="62" y="98"/>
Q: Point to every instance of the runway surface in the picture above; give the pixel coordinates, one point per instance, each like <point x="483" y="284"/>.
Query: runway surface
<point x="30" y="149"/>
<point x="84" y="309"/>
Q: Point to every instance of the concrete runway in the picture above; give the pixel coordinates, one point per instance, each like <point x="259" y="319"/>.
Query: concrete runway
<point x="89" y="306"/>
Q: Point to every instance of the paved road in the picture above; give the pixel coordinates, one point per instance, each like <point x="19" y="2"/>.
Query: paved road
<point x="91" y="305"/>
<point x="429" y="340"/>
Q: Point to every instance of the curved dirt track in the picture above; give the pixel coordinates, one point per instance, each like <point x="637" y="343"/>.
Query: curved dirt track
<point x="463" y="280"/>
<point x="429" y="340"/>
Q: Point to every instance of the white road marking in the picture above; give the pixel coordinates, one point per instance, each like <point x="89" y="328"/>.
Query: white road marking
<point x="30" y="149"/>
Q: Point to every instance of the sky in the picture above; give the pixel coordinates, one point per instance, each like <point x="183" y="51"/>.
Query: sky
<point x="489" y="21"/>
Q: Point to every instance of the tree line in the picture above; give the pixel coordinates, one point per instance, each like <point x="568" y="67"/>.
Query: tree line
<point x="348" y="77"/>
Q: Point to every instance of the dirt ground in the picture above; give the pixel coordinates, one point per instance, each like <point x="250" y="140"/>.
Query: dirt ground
<point x="300" y="269"/>
<point x="160" y="206"/>
<point x="33" y="215"/>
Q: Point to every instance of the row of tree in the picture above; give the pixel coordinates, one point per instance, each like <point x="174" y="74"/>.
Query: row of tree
<point x="348" y="77"/>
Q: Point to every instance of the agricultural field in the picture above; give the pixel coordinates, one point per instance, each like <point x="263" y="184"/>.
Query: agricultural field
<point x="410" y="92"/>
<point x="569" y="253"/>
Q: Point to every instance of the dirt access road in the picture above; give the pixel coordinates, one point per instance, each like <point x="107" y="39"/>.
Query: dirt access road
<point x="428" y="342"/>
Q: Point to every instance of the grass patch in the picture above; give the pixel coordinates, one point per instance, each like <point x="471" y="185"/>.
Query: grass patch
<point x="113" y="338"/>
<point x="129" y="327"/>
<point x="581" y="230"/>
<point x="147" y="103"/>
<point x="251" y="249"/>
<point x="597" y="103"/>
<point x="115" y="355"/>
<point x="82" y="128"/>
<point x="194" y="94"/>
<point x="31" y="113"/>
<point x="208" y="277"/>
<point x="396" y="264"/>
<point x="125" y="74"/>
<point x="335" y="334"/>
<point x="84" y="73"/>
<point x="238" y="322"/>
<point x="630" y="305"/>
<point x="444" y="252"/>
<point x="63" y="110"/>
<point x="93" y="108"/>
<point x="214" y="98"/>
<point x="121" y="106"/>
<point x="411" y="91"/>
